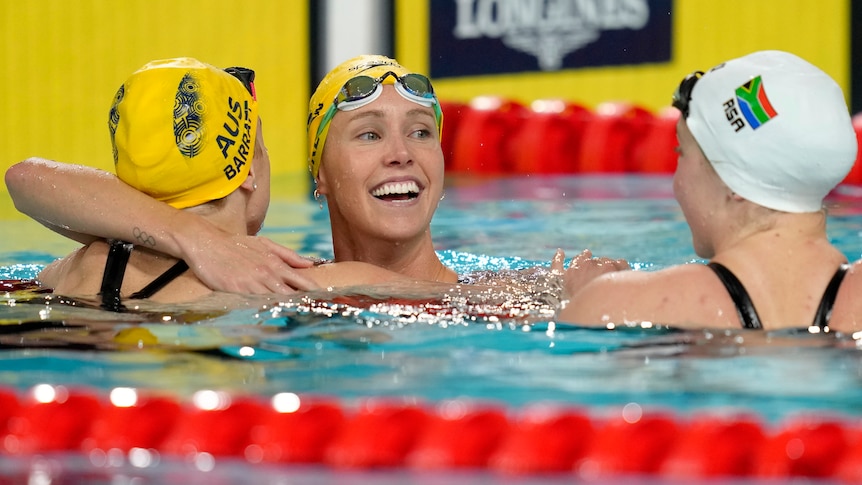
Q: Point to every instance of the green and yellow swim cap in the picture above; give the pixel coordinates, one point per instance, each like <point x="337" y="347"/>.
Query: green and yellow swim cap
<point x="183" y="131"/>
<point x="320" y="106"/>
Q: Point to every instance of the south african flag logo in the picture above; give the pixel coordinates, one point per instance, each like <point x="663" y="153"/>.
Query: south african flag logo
<point x="754" y="103"/>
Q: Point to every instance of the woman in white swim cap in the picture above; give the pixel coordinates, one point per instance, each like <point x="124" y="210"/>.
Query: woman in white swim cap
<point x="762" y="140"/>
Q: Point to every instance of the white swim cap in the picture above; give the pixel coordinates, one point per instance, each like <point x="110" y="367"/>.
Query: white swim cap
<point x="775" y="128"/>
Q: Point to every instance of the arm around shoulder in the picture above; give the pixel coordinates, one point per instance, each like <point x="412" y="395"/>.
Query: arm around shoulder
<point x="85" y="203"/>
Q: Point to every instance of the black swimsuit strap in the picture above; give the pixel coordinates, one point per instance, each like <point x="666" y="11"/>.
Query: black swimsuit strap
<point x="824" y="310"/>
<point x="112" y="279"/>
<point x="157" y="284"/>
<point x="115" y="270"/>
<point x="744" y="307"/>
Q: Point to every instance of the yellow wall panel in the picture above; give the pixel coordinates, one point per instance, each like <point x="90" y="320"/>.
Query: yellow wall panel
<point x="64" y="60"/>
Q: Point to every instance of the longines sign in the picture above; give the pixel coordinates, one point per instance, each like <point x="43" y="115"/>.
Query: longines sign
<point x="474" y="37"/>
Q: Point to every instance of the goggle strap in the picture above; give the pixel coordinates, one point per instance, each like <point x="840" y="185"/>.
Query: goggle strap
<point x="246" y="77"/>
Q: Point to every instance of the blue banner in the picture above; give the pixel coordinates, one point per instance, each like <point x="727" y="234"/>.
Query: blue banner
<point x="477" y="37"/>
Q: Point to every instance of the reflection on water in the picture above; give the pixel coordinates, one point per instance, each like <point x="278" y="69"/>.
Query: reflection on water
<point x="454" y="344"/>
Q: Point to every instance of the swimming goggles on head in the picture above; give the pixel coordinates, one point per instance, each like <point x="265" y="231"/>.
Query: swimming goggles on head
<point x="362" y="90"/>
<point x="682" y="95"/>
<point x="245" y="76"/>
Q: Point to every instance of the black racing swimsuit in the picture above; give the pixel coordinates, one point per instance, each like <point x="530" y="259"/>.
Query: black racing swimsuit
<point x="745" y="308"/>
<point x="115" y="270"/>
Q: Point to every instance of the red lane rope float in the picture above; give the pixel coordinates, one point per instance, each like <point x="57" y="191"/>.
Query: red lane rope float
<point x="550" y="137"/>
<point x="855" y="175"/>
<point x="452" y="111"/>
<point x="139" y="422"/>
<point x="544" y="441"/>
<point x="715" y="446"/>
<point x="216" y="424"/>
<point x="630" y="444"/>
<point x="483" y="141"/>
<point x="849" y="467"/>
<point x="296" y="433"/>
<point x="51" y="419"/>
<point x="656" y="151"/>
<point x="807" y="446"/>
<point x="459" y="435"/>
<point x="612" y="137"/>
<point x="380" y="434"/>
<point x="388" y="433"/>
<point x="495" y="135"/>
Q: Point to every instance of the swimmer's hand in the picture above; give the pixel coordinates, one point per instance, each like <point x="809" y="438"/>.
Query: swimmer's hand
<point x="245" y="264"/>
<point x="584" y="268"/>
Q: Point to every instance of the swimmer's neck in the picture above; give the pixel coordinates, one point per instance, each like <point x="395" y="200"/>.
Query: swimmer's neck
<point x="415" y="259"/>
<point x="784" y="232"/>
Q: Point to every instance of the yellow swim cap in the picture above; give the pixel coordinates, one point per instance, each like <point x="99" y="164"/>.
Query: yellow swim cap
<point x="324" y="96"/>
<point x="183" y="131"/>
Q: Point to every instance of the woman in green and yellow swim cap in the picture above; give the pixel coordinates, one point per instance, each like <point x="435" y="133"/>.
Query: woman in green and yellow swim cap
<point x="374" y="153"/>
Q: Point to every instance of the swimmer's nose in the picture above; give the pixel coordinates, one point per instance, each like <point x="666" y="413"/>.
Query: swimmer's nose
<point x="399" y="153"/>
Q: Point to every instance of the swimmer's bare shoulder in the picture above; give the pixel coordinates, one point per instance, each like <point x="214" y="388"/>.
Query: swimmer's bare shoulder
<point x="847" y="313"/>
<point x="679" y="296"/>
<point x="72" y="274"/>
<point x="350" y="273"/>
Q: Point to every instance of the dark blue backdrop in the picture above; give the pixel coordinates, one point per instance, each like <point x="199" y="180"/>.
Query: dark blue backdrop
<point x="476" y="37"/>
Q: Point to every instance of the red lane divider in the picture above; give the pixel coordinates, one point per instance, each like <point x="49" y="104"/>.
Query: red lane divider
<point x="543" y="441"/>
<point x="612" y="138"/>
<point x="486" y="129"/>
<point x="630" y="445"/>
<point x="459" y="436"/>
<point x="849" y="466"/>
<point x="855" y="175"/>
<point x="496" y="135"/>
<point x="9" y="407"/>
<point x="216" y="426"/>
<point x="144" y="423"/>
<point x="294" y="433"/>
<point x="715" y="446"/>
<point x="51" y="419"/>
<point x="379" y="434"/>
<point x="452" y="113"/>
<point x="388" y="433"/>
<point x="549" y="138"/>
<point x="656" y="152"/>
<point x="804" y="447"/>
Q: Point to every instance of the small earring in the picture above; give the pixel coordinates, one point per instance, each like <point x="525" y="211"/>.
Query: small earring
<point x="253" y="186"/>
<point x="443" y="196"/>
<point x="317" y="198"/>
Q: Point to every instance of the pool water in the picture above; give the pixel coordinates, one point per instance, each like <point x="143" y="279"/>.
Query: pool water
<point x="356" y="344"/>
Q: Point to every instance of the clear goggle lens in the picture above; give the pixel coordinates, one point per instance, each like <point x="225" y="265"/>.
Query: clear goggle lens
<point x="361" y="90"/>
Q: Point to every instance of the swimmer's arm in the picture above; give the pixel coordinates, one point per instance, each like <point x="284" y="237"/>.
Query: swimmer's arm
<point x="32" y="185"/>
<point x="85" y="203"/>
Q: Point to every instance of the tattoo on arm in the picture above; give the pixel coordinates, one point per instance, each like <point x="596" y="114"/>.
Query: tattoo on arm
<point x="143" y="238"/>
